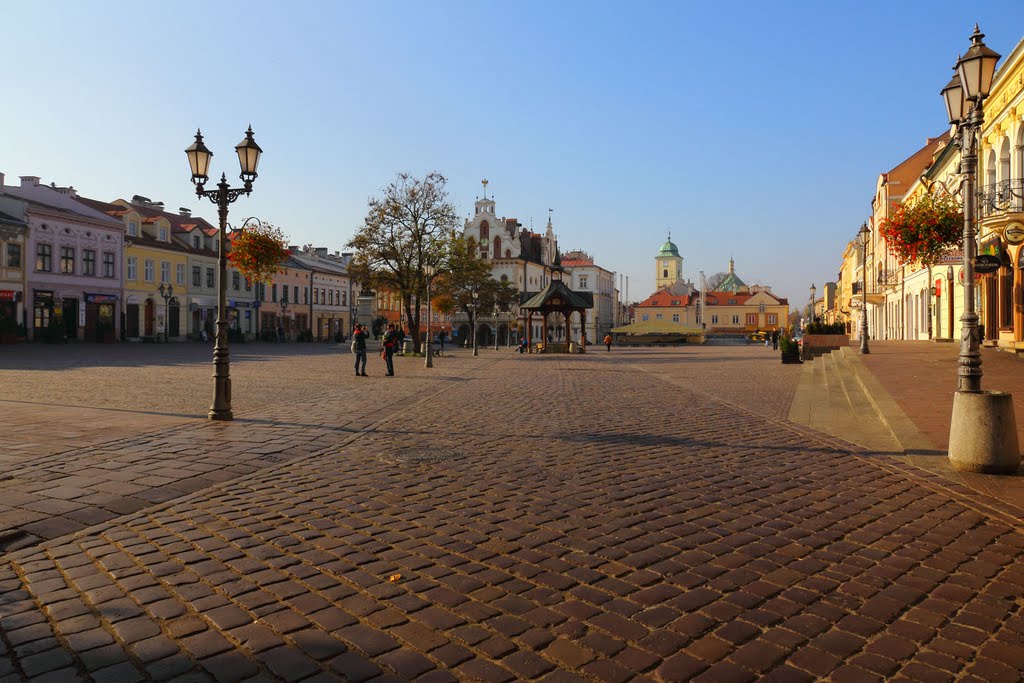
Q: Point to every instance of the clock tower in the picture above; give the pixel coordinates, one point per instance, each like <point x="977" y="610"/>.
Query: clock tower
<point x="668" y="265"/>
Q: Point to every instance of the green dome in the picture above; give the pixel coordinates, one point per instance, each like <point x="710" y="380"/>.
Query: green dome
<point x="668" y="249"/>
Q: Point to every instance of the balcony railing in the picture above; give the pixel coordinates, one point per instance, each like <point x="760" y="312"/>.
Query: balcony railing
<point x="888" y="278"/>
<point x="1006" y="196"/>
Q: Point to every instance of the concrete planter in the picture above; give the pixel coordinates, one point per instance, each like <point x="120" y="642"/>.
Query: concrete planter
<point x="983" y="433"/>
<point x="817" y="344"/>
<point x="791" y="357"/>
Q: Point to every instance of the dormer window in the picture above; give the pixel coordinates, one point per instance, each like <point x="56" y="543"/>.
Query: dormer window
<point x="133" y="229"/>
<point x="197" y="241"/>
<point x="162" y="234"/>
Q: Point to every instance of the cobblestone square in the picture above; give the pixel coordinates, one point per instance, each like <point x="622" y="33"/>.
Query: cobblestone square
<point x="639" y="515"/>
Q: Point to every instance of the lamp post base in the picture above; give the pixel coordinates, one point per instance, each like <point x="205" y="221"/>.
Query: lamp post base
<point x="983" y="433"/>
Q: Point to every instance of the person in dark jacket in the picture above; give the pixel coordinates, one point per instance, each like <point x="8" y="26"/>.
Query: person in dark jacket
<point x="359" y="349"/>
<point x="388" y="352"/>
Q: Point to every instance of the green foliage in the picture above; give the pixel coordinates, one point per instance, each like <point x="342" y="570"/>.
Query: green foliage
<point x="786" y="342"/>
<point x="826" y="328"/>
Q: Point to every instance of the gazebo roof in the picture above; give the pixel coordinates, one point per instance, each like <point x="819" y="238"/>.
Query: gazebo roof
<point x="558" y="289"/>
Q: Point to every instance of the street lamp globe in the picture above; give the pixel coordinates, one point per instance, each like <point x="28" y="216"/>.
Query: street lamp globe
<point x="248" y="157"/>
<point x="956" y="102"/>
<point x="199" y="160"/>
<point x="977" y="67"/>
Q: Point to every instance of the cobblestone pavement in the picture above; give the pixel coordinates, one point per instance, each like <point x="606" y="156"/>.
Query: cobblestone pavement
<point x="639" y="515"/>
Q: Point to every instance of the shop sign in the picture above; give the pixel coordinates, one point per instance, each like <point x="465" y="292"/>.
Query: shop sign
<point x="986" y="263"/>
<point x="8" y="295"/>
<point x="1014" y="233"/>
<point x="81" y="313"/>
<point x="951" y="257"/>
<point x="101" y="298"/>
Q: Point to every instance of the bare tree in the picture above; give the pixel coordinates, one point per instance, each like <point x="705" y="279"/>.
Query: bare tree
<point x="712" y="282"/>
<point x="410" y="226"/>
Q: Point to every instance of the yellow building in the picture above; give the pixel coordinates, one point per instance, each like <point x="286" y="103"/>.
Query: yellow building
<point x="1001" y="205"/>
<point x="151" y="259"/>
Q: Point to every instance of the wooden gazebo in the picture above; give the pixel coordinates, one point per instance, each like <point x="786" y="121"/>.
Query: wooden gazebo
<point x="557" y="298"/>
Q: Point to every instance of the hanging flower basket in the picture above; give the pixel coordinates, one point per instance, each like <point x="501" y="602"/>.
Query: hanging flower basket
<point x="257" y="251"/>
<point x="920" y="231"/>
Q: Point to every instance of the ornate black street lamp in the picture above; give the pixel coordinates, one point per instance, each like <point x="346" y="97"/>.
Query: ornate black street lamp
<point x="428" y="272"/>
<point x="983" y="432"/>
<point x="864" y="235"/>
<point x="166" y="294"/>
<point x="199" y="161"/>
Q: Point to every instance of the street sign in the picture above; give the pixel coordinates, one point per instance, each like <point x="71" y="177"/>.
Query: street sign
<point x="986" y="263"/>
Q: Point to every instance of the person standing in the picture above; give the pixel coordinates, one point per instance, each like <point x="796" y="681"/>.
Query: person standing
<point x="388" y="352"/>
<point x="608" y="341"/>
<point x="359" y="349"/>
<point x="775" y="339"/>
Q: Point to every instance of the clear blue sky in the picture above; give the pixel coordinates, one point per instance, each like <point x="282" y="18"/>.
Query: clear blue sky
<point x="750" y="129"/>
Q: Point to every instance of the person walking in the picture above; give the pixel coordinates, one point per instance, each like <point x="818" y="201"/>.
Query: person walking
<point x="775" y="339"/>
<point x="388" y="351"/>
<point x="359" y="349"/>
<point x="608" y="341"/>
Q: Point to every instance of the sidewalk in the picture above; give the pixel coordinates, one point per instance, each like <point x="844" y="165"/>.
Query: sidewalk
<point x="921" y="377"/>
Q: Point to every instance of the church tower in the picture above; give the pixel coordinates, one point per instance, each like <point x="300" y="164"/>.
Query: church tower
<point x="668" y="265"/>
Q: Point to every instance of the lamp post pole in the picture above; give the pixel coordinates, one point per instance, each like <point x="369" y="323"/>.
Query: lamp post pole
<point x="863" y="236"/>
<point x="284" y="314"/>
<point x="199" y="161"/>
<point x="166" y="295"/>
<point x="495" y="328"/>
<point x="983" y="431"/>
<point x="810" y="313"/>
<point x="472" y="306"/>
<point x="428" y="272"/>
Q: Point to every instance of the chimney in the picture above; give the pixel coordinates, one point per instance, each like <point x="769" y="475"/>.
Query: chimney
<point x="140" y="200"/>
<point x="158" y="205"/>
<point x="29" y="181"/>
<point x="320" y="251"/>
<point x="186" y="212"/>
<point x="1" y="181"/>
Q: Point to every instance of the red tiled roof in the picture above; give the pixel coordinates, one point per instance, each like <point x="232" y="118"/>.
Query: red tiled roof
<point x="663" y="298"/>
<point x="577" y="262"/>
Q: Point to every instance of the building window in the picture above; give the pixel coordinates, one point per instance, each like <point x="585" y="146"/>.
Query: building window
<point x="197" y="241"/>
<point x="197" y="276"/>
<point x="295" y="293"/>
<point x="772" y="319"/>
<point x="133" y="229"/>
<point x="133" y="268"/>
<point x="162" y="234"/>
<point x="165" y="272"/>
<point x="305" y="295"/>
<point x="316" y="296"/>
<point x="344" y="298"/>
<point x="645" y="317"/>
<point x="210" y="278"/>
<point x="751" y="318"/>
<point x="108" y="264"/>
<point x="179" y="274"/>
<point x="583" y="281"/>
<point x="657" y="316"/>
<point x="735" y="320"/>
<point x="67" y="260"/>
<point x="675" y="317"/>
<point x="337" y="297"/>
<point x="88" y="261"/>
<point x="149" y="269"/>
<point x="330" y="297"/>
<point x="248" y="285"/>
<point x="236" y="280"/>
<point x="273" y="293"/>
<point x="714" y="320"/>
<point x="14" y="255"/>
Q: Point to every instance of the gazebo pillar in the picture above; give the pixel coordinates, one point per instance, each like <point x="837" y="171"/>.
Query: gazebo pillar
<point x="544" y="332"/>
<point x="583" y="330"/>
<point x="529" y="331"/>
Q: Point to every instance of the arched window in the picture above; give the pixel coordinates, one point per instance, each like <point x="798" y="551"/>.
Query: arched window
<point x="497" y="246"/>
<point x="1004" y="160"/>
<point x="990" y="168"/>
<point x="508" y="253"/>
<point x="1020" y="152"/>
<point x="485" y="231"/>
<point x="664" y="273"/>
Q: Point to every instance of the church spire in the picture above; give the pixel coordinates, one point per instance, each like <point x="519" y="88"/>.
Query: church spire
<point x="732" y="266"/>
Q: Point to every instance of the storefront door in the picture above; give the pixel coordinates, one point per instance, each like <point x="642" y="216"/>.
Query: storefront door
<point x="174" y="321"/>
<point x="71" y="318"/>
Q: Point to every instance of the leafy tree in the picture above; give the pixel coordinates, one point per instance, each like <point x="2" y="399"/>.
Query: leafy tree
<point x="412" y="225"/>
<point x="465" y="275"/>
